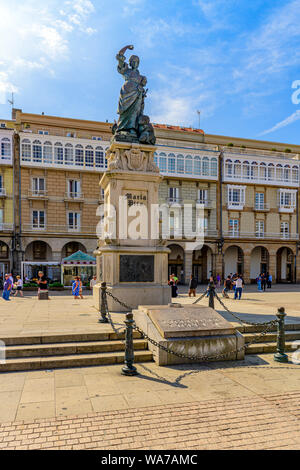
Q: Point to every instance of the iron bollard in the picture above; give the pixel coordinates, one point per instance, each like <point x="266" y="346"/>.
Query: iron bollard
<point x="129" y="368"/>
<point x="280" y="356"/>
<point x="211" y="291"/>
<point x="103" y="318"/>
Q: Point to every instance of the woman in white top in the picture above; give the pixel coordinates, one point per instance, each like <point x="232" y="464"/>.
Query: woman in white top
<point x="19" y="284"/>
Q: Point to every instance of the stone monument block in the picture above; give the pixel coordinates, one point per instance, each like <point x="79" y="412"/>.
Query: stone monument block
<point x="190" y="330"/>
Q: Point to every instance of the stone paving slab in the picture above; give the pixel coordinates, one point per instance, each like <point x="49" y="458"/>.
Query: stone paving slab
<point x="260" y="422"/>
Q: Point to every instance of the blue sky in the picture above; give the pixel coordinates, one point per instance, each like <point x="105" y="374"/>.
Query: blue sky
<point x="235" y="60"/>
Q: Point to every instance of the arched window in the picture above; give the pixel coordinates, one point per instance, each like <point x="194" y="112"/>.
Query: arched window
<point x="163" y="162"/>
<point x="26" y="150"/>
<point x="287" y="173"/>
<point x="79" y="155"/>
<point x="214" y="167"/>
<point x="37" y="151"/>
<point x="246" y="170"/>
<point x="99" y="157"/>
<point x="47" y="152"/>
<point x="279" y="172"/>
<point x="180" y="164"/>
<point x="89" y="156"/>
<point x="237" y="169"/>
<point x="271" y="172"/>
<point x="5" y="148"/>
<point x="197" y="166"/>
<point x="228" y="168"/>
<point x="69" y="154"/>
<point x="254" y="171"/>
<point x="171" y="163"/>
<point x="188" y="165"/>
<point x="263" y="171"/>
<point x="205" y="166"/>
<point x="58" y="154"/>
<point x="295" y="174"/>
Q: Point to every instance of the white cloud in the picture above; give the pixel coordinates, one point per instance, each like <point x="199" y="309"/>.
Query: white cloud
<point x="38" y="37"/>
<point x="289" y="120"/>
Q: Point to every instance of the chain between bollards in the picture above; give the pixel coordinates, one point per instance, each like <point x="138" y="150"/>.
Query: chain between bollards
<point x="129" y="368"/>
<point x="280" y="355"/>
<point x="103" y="304"/>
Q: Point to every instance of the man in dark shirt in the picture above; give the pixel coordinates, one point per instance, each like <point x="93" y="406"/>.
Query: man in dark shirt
<point x="192" y="286"/>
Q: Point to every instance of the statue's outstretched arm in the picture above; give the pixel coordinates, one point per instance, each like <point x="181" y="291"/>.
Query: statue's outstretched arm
<point x="122" y="66"/>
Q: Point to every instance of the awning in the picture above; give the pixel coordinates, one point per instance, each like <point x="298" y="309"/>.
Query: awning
<point x="79" y="258"/>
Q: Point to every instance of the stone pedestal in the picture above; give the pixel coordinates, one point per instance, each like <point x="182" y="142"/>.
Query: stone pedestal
<point x="191" y="330"/>
<point x="132" y="260"/>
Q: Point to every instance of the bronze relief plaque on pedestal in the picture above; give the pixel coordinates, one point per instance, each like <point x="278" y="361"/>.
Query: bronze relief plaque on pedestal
<point x="189" y="321"/>
<point x="136" y="268"/>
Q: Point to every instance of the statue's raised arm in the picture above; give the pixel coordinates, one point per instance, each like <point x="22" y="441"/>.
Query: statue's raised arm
<point x="123" y="66"/>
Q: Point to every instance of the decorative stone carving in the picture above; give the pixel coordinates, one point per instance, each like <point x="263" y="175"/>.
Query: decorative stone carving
<point x="133" y="159"/>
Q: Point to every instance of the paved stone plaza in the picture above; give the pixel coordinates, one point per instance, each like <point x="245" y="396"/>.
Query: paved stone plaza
<point x="244" y="404"/>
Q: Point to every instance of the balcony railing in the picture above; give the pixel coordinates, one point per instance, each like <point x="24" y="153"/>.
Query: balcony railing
<point x="174" y="200"/>
<point x="204" y="202"/>
<point x="286" y="208"/>
<point x="237" y="205"/>
<point x="6" y="227"/>
<point x="37" y="193"/>
<point x="262" y="207"/>
<point x="59" y="229"/>
<point x="265" y="235"/>
<point x="74" y="196"/>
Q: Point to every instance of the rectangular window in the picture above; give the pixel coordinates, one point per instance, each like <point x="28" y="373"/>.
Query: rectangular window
<point x="58" y="154"/>
<point x="259" y="228"/>
<point x="38" y="186"/>
<point x="202" y="196"/>
<point x="284" y="229"/>
<point x="43" y="132"/>
<point x="233" y="227"/>
<point x="99" y="158"/>
<point x="38" y="219"/>
<point x="259" y="200"/>
<point x="236" y="197"/>
<point x="74" y="188"/>
<point x="74" y="221"/>
<point x="174" y="194"/>
<point x="1" y="222"/>
<point x="202" y="224"/>
<point x="26" y="151"/>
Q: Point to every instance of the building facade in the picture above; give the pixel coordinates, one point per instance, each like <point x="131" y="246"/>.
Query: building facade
<point x="246" y="192"/>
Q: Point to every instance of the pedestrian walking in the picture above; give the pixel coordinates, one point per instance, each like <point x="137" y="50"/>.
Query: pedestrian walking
<point x="174" y="289"/>
<point x="227" y="287"/>
<point x="43" y="285"/>
<point x="80" y="288"/>
<point x="258" y="280"/>
<point x="75" y="288"/>
<point x="192" y="286"/>
<point x="19" y="287"/>
<point x="93" y="282"/>
<point x="219" y="280"/>
<point x="238" y="288"/>
<point x="269" y="281"/>
<point x="7" y="288"/>
<point x="263" y="282"/>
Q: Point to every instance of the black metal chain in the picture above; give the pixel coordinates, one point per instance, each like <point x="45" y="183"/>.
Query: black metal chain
<point x="243" y="321"/>
<point x="119" y="301"/>
<point x="200" y="298"/>
<point x="203" y="358"/>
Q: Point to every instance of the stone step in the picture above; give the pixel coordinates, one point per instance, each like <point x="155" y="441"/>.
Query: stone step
<point x="272" y="337"/>
<point x="67" y="349"/>
<point x="75" y="360"/>
<point x="259" y="328"/>
<point x="260" y="348"/>
<point x="63" y="338"/>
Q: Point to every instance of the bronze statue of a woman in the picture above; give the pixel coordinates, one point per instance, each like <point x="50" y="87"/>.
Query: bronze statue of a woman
<point x="131" y="124"/>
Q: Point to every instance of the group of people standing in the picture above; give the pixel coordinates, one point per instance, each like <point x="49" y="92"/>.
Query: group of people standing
<point x="233" y="282"/>
<point x="264" y="280"/>
<point x="11" y="287"/>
